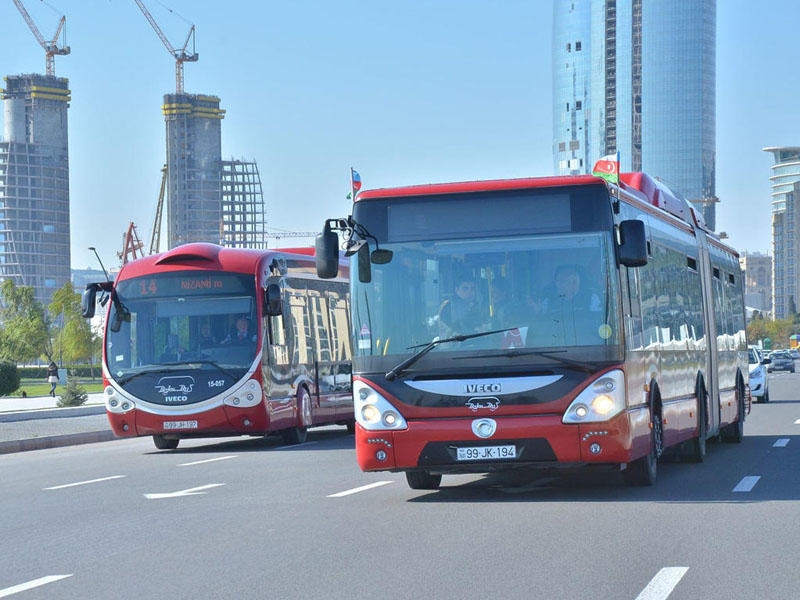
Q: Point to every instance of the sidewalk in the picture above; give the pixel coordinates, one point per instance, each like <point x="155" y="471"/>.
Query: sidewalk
<point x="36" y="423"/>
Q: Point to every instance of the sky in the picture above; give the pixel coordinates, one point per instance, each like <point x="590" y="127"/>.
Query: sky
<point x="405" y="92"/>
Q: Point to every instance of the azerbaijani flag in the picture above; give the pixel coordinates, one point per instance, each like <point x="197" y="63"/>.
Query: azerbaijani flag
<point x="607" y="168"/>
<point x="355" y="180"/>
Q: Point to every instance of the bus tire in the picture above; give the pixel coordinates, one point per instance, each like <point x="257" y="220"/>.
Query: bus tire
<point x="697" y="446"/>
<point x="299" y="433"/>
<point x="163" y="442"/>
<point x="643" y="471"/>
<point x="734" y="432"/>
<point x="423" y="480"/>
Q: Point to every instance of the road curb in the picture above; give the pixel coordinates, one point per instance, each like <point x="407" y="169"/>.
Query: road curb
<point x="51" y="413"/>
<point x="56" y="441"/>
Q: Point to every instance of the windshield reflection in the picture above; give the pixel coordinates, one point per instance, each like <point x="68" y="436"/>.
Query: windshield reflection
<point x="170" y="331"/>
<point x="545" y="291"/>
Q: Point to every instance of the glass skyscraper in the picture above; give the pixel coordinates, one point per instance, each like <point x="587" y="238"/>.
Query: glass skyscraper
<point x="785" y="179"/>
<point x="638" y="77"/>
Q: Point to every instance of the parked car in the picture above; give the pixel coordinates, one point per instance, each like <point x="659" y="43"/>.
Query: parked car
<point x="780" y="360"/>
<point x="759" y="383"/>
<point x="795" y="353"/>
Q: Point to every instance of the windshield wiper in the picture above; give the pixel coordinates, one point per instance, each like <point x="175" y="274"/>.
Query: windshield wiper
<point x="172" y="366"/>
<point x="425" y="348"/>
<point x="512" y="352"/>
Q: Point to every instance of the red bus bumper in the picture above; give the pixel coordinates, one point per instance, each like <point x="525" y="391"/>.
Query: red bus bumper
<point x="218" y="421"/>
<point x="539" y="441"/>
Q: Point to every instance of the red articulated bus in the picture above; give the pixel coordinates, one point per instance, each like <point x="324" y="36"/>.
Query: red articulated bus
<point x="205" y="341"/>
<point x="539" y="323"/>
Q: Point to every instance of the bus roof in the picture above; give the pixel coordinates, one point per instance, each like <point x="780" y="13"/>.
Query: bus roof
<point x="433" y="189"/>
<point x="639" y="185"/>
<point x="201" y="255"/>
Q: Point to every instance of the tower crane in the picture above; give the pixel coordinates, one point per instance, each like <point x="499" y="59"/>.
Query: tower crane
<point x="181" y="56"/>
<point x="131" y="245"/>
<point x="291" y="234"/>
<point x="51" y="48"/>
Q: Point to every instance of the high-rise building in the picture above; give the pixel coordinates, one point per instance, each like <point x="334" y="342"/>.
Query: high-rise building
<point x="638" y="78"/>
<point x="194" y="168"/>
<point x="208" y="199"/>
<point x="34" y="184"/>
<point x="785" y="178"/>
<point x="757" y="268"/>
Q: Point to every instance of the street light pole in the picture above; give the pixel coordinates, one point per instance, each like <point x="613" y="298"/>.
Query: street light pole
<point x="92" y="248"/>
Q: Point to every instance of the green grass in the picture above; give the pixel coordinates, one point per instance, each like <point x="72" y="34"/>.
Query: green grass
<point x="42" y="388"/>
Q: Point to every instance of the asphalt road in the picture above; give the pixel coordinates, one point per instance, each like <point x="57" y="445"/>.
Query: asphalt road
<point x="250" y="518"/>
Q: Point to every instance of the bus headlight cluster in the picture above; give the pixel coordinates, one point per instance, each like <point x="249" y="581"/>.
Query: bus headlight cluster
<point x="373" y="411"/>
<point x="601" y="401"/>
<point x="246" y="396"/>
<point x="116" y="402"/>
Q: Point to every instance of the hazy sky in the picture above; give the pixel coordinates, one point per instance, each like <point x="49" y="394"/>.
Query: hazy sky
<point x="405" y="92"/>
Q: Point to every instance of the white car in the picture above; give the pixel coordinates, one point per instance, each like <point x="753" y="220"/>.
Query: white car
<point x="759" y="384"/>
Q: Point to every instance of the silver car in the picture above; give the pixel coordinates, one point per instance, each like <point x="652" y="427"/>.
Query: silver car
<point x="781" y="360"/>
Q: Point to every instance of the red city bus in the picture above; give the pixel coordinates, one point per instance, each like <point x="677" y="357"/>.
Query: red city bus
<point x="205" y="341"/>
<point x="539" y="323"/>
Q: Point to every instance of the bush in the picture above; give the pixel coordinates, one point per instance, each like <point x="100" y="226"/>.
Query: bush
<point x="73" y="395"/>
<point x="9" y="378"/>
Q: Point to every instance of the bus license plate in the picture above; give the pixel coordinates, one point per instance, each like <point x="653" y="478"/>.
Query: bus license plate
<point x="486" y="453"/>
<point x="180" y="424"/>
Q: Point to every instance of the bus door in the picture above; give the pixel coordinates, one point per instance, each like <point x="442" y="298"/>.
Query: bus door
<point x="712" y="359"/>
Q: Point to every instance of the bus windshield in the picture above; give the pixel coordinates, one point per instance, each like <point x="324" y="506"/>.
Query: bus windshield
<point x="182" y="320"/>
<point x="550" y="293"/>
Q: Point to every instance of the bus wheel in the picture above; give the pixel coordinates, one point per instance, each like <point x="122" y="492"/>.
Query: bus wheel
<point x="163" y="442"/>
<point x="299" y="433"/>
<point x="697" y="446"/>
<point x="643" y="471"/>
<point x="423" y="480"/>
<point x="735" y="431"/>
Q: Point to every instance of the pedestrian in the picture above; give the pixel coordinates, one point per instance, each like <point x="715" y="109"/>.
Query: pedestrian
<point x="52" y="377"/>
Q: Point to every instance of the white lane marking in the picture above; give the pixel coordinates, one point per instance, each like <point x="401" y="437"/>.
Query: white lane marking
<point x="208" y="460"/>
<point x="69" y="485"/>
<point x="661" y="586"/>
<point x="190" y="492"/>
<point x="781" y="443"/>
<point x="747" y="483"/>
<point x="293" y="446"/>
<point x="363" y="488"/>
<point x="29" y="585"/>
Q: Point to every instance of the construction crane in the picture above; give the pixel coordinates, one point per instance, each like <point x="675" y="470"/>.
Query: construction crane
<point x="291" y="234"/>
<point x="155" y="238"/>
<point x="131" y="245"/>
<point x="181" y="56"/>
<point x="51" y="48"/>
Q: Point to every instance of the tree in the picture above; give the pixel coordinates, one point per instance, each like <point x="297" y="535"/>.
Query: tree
<point x="74" y="339"/>
<point x="25" y="330"/>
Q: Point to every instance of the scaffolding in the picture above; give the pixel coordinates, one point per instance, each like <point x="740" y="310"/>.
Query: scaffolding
<point x="244" y="223"/>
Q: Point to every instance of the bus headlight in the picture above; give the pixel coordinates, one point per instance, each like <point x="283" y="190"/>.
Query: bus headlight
<point x="373" y="411"/>
<point x="601" y="401"/>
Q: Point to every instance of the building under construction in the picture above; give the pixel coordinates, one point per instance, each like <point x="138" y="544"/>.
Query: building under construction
<point x="208" y="199"/>
<point x="34" y="184"/>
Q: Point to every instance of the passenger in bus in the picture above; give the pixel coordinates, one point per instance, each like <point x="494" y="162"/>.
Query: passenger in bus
<point x="206" y="338"/>
<point x="464" y="312"/>
<point x="566" y="292"/>
<point x="241" y="334"/>
<point x="569" y="313"/>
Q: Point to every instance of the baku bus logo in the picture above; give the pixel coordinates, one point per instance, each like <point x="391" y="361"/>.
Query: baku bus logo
<point x="175" y="389"/>
<point x="477" y="403"/>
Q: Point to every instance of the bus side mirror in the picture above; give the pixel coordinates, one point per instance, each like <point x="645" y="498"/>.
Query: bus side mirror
<point x="327" y="253"/>
<point x="632" y="243"/>
<point x="88" y="301"/>
<point x="273" y="304"/>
